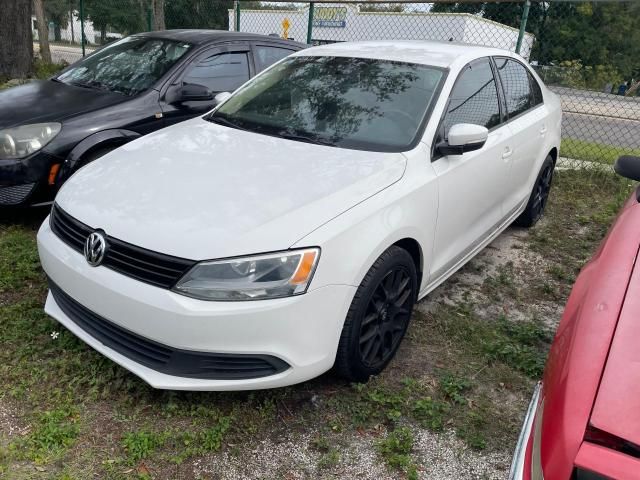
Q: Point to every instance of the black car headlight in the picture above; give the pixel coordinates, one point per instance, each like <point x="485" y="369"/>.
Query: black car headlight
<point x="20" y="142"/>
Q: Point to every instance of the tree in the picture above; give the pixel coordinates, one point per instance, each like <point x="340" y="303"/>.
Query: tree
<point x="123" y="16"/>
<point x="158" y="15"/>
<point x="198" y="14"/>
<point x="43" y="31"/>
<point x="60" y="12"/>
<point x="16" y="42"/>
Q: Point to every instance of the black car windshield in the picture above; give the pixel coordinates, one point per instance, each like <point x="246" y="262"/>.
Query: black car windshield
<point x="358" y="103"/>
<point x="128" y="66"/>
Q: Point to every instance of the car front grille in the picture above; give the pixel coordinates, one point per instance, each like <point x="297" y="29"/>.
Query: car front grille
<point x="15" y="194"/>
<point x="144" y="265"/>
<point x="162" y="358"/>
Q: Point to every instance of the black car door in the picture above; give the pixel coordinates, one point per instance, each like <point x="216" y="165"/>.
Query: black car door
<point x="217" y="69"/>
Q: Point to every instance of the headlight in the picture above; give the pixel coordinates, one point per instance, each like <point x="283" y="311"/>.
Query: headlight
<point x="251" y="278"/>
<point x="22" y="141"/>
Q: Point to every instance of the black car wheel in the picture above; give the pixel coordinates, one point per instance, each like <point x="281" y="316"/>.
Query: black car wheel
<point x="378" y="317"/>
<point x="539" y="196"/>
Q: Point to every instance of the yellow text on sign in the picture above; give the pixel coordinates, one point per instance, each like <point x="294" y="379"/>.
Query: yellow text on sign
<point x="285" y="28"/>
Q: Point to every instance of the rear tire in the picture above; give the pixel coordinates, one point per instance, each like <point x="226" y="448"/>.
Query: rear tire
<point x="539" y="196"/>
<point x="378" y="317"/>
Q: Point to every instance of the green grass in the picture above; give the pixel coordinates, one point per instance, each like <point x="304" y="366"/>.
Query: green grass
<point x="141" y="444"/>
<point x="594" y="152"/>
<point x="55" y="431"/>
<point x="396" y="450"/>
<point x="85" y="417"/>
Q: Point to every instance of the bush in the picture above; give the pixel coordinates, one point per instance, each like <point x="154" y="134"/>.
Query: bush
<point x="571" y="73"/>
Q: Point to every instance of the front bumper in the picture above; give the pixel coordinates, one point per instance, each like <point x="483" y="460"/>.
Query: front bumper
<point x="25" y="181"/>
<point x="518" y="464"/>
<point x="302" y="331"/>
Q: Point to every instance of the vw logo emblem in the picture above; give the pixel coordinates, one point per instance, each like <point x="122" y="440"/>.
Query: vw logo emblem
<point x="94" y="248"/>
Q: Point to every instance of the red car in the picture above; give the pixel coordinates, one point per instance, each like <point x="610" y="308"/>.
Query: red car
<point x="583" y="422"/>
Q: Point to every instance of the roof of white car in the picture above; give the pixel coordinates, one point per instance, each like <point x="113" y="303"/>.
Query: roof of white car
<point x="438" y="54"/>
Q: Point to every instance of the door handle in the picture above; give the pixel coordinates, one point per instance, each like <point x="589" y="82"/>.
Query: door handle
<point x="543" y="130"/>
<point x="507" y="152"/>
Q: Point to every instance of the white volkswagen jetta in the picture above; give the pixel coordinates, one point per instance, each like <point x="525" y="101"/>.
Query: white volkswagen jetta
<point x="294" y="227"/>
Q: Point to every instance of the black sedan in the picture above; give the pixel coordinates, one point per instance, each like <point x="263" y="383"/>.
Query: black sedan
<point x="50" y="128"/>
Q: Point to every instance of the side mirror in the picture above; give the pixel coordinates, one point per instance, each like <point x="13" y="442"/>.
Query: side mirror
<point x="628" y="167"/>
<point x="462" y="138"/>
<point x="221" y="97"/>
<point x="192" y="92"/>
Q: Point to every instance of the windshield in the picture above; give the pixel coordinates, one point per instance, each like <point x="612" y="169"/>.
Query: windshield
<point x="128" y="66"/>
<point x="358" y="103"/>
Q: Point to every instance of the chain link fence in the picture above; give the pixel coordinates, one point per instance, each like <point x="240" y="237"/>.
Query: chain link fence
<point x="587" y="52"/>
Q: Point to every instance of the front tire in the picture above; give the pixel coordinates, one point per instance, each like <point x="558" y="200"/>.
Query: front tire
<point x="539" y="196"/>
<point x="378" y="317"/>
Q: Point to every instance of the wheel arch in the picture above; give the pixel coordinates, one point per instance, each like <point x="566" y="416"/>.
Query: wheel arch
<point x="112" y="137"/>
<point x="412" y="246"/>
<point x="554" y="155"/>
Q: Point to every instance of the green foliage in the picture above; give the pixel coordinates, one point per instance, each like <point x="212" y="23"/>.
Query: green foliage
<point x="19" y="266"/>
<point x="572" y="73"/>
<point x="594" y="152"/>
<point x="211" y="439"/>
<point x="454" y="388"/>
<point x="123" y="16"/>
<point x="396" y="450"/>
<point x="139" y="445"/>
<point x="54" y="432"/>
<point x="431" y="413"/>
<point x="198" y="14"/>
<point x="472" y="427"/>
<point x="44" y="70"/>
<point x="590" y="44"/>
<point x="521" y="345"/>
<point x="397" y="8"/>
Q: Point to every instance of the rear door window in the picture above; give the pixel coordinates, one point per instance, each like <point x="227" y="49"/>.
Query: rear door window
<point x="265" y="56"/>
<point x="516" y="82"/>
<point x="219" y="72"/>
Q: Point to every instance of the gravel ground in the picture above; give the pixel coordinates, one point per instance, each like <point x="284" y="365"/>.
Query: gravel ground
<point x="438" y="457"/>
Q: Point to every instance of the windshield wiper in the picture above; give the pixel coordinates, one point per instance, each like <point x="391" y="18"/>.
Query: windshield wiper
<point x="225" y="121"/>
<point x="92" y="84"/>
<point x="305" y="138"/>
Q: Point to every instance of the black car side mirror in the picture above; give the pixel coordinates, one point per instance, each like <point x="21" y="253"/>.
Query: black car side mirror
<point x="192" y="92"/>
<point x="628" y="167"/>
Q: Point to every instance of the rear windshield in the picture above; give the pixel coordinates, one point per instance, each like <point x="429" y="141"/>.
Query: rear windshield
<point x="128" y="66"/>
<point x="359" y="103"/>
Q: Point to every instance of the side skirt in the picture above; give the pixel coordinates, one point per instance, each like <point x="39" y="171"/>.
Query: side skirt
<point x="474" y="250"/>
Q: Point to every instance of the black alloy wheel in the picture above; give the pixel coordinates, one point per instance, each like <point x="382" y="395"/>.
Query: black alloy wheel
<point x="387" y="317"/>
<point x="539" y="196"/>
<point x="541" y="193"/>
<point x="378" y="317"/>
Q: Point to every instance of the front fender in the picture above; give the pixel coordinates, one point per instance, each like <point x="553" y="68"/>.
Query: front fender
<point x="352" y="241"/>
<point x="116" y="136"/>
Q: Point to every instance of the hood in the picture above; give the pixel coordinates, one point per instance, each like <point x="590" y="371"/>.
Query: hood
<point x="201" y="191"/>
<point x="49" y="101"/>
<point x="617" y="406"/>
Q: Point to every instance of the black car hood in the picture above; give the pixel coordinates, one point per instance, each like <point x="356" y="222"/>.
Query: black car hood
<point x="50" y="101"/>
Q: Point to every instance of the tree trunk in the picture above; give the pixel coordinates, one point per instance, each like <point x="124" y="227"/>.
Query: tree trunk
<point x="158" y="15"/>
<point x="43" y="31"/>
<point x="16" y="40"/>
<point x="71" y="20"/>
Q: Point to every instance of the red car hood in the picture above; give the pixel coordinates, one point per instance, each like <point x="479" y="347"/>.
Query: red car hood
<point x="579" y="354"/>
<point x="617" y="406"/>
